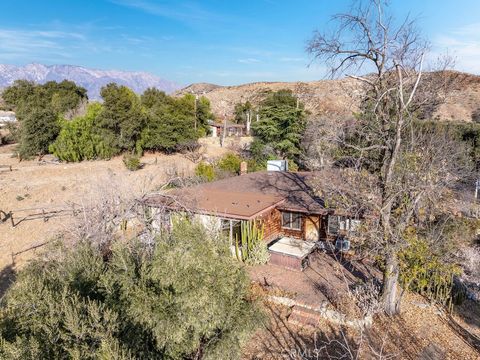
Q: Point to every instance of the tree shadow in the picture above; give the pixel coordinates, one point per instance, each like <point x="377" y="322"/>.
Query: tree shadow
<point x="7" y="277"/>
<point x="280" y="339"/>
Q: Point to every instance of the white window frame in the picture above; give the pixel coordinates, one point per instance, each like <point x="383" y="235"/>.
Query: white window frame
<point x="289" y="225"/>
<point x="345" y="224"/>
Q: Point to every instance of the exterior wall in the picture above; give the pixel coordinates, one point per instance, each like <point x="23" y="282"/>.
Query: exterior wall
<point x="274" y="229"/>
<point x="273" y="225"/>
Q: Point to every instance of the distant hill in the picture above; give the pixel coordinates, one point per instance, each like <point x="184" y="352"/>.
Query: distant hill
<point x="90" y="79"/>
<point x="340" y="97"/>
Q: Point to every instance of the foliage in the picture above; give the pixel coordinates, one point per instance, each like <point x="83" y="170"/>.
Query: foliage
<point x="241" y="110"/>
<point x="132" y="162"/>
<point x="250" y="247"/>
<point x="230" y="163"/>
<point x="424" y="271"/>
<point x="203" y="113"/>
<point x="60" y="97"/>
<point x="170" y="124"/>
<point x="79" y="139"/>
<point x="282" y="124"/>
<point x="38" y="108"/>
<point x="122" y="119"/>
<point x="205" y="171"/>
<point x="185" y="298"/>
<point x="18" y="92"/>
<point x="39" y="128"/>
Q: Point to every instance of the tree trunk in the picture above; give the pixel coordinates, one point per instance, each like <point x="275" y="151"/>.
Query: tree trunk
<point x="390" y="296"/>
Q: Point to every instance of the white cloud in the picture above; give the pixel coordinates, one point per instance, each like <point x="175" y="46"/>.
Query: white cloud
<point x="16" y="44"/>
<point x="463" y="44"/>
<point x="248" y="61"/>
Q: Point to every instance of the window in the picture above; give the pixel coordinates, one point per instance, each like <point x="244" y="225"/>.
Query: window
<point x="337" y="224"/>
<point x="231" y="229"/>
<point x="291" y="220"/>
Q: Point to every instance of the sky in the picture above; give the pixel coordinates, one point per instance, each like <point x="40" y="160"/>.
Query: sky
<point x="226" y="42"/>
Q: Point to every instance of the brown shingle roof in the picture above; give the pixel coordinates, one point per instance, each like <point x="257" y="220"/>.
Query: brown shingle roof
<point x="246" y="196"/>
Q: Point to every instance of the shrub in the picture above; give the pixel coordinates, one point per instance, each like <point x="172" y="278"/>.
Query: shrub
<point x="184" y="297"/>
<point x="205" y="171"/>
<point x="425" y="272"/>
<point x="79" y="140"/>
<point x="132" y="162"/>
<point x="230" y="163"/>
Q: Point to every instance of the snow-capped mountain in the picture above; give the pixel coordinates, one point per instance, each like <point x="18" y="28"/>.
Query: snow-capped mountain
<point x="90" y="79"/>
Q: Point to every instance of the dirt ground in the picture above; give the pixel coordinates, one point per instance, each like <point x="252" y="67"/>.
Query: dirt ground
<point x="420" y="332"/>
<point x="31" y="187"/>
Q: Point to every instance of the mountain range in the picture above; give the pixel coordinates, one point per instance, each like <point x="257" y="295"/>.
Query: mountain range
<point x="90" y="79"/>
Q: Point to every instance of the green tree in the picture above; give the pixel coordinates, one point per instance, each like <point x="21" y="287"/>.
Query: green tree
<point x="282" y="124"/>
<point x="122" y="119"/>
<point x="170" y="122"/>
<point x="39" y="125"/>
<point x="38" y="108"/>
<point x="18" y="92"/>
<point x="79" y="138"/>
<point x="241" y="110"/>
<point x="64" y="96"/>
<point x="185" y="298"/>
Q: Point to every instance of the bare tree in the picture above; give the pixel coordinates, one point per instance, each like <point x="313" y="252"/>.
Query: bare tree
<point x="404" y="174"/>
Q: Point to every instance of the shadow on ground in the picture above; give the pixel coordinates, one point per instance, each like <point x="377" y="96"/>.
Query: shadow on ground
<point x="7" y="277"/>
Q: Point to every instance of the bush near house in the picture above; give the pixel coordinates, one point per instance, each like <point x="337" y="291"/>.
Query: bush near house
<point x="185" y="298"/>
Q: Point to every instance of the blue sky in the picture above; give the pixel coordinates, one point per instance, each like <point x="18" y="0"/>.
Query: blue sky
<point x="226" y="42"/>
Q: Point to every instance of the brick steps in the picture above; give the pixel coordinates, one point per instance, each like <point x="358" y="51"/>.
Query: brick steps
<point x="303" y="316"/>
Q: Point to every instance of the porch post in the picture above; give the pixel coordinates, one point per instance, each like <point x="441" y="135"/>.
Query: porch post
<point x="231" y="232"/>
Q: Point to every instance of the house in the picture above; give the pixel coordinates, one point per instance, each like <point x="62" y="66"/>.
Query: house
<point x="7" y="117"/>
<point x="294" y="219"/>
<point x="231" y="129"/>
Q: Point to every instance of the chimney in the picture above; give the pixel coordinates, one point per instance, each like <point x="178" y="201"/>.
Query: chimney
<point x="243" y="168"/>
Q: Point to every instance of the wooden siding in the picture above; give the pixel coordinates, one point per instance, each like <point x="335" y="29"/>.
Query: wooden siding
<point x="272" y="223"/>
<point x="273" y="226"/>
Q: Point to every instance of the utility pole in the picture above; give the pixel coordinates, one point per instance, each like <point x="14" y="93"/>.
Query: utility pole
<point x="477" y="187"/>
<point x="222" y="139"/>
<point x="195" y="109"/>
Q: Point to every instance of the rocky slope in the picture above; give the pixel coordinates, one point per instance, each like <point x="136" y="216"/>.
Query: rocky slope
<point x="340" y="97"/>
<point x="91" y="79"/>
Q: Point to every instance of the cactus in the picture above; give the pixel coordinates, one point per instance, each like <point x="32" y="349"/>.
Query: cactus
<point x="251" y="235"/>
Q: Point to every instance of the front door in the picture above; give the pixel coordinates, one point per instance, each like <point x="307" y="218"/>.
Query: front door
<point x="312" y="227"/>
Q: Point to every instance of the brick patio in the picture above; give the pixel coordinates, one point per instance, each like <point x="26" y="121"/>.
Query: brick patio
<point x="324" y="280"/>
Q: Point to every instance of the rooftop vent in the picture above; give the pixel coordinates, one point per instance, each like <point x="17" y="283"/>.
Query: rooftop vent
<point x="277" y="165"/>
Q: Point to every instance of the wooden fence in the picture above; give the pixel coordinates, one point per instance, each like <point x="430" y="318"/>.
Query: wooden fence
<point x="15" y="217"/>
